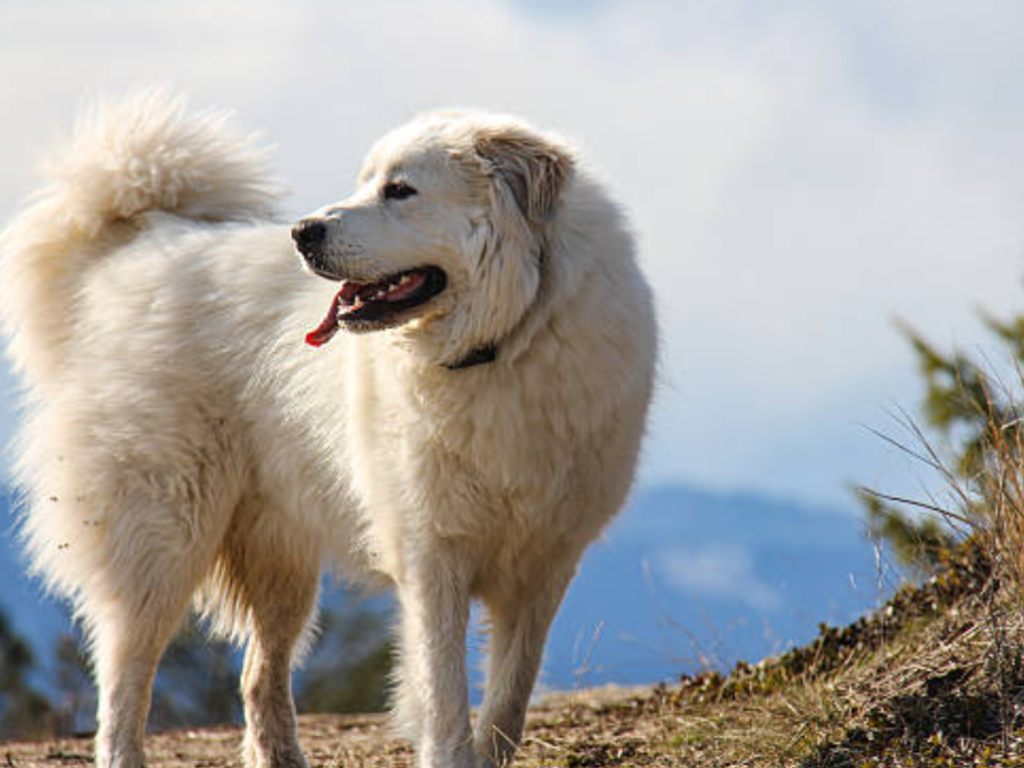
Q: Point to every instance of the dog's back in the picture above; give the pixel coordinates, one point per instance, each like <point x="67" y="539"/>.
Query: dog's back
<point x="141" y="154"/>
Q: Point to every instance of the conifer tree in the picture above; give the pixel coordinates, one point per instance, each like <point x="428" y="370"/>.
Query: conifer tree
<point x="351" y="663"/>
<point x="24" y="712"/>
<point x="976" y="413"/>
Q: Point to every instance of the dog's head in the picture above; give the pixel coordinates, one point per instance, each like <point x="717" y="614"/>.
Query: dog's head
<point x="446" y="230"/>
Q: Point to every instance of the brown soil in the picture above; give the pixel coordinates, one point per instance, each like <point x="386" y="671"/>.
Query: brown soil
<point x="593" y="728"/>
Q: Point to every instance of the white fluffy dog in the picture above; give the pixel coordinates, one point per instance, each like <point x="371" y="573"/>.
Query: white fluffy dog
<point x="470" y="427"/>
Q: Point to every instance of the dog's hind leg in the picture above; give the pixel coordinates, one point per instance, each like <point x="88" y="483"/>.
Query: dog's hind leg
<point x="132" y="607"/>
<point x="270" y="570"/>
<point x="519" y="628"/>
<point x="127" y="643"/>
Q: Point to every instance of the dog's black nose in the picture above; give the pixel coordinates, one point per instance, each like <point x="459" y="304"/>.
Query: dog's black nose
<point x="309" y="233"/>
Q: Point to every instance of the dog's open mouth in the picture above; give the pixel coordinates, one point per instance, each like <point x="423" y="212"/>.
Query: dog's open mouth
<point x="378" y="305"/>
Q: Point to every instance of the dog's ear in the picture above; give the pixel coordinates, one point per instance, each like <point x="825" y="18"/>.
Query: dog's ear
<point x="531" y="167"/>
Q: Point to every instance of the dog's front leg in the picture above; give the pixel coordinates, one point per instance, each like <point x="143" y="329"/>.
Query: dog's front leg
<point x="432" y="704"/>
<point x="519" y="627"/>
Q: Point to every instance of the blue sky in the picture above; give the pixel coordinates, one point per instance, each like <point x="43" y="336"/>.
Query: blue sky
<point x="799" y="173"/>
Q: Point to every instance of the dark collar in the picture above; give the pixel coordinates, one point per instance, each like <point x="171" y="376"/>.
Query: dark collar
<point x="485" y="354"/>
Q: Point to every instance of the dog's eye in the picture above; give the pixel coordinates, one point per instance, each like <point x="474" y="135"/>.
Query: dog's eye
<point x="398" y="190"/>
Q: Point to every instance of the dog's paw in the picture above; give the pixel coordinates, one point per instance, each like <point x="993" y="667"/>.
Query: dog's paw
<point x="278" y="756"/>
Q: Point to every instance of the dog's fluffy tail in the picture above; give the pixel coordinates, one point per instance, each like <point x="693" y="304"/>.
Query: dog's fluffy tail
<point x="143" y="153"/>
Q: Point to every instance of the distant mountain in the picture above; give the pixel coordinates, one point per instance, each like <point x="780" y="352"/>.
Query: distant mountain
<point x="686" y="579"/>
<point x="683" y="579"/>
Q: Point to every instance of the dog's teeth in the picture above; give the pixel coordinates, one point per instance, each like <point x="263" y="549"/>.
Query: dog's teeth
<point x="381" y="293"/>
<point x="358" y="302"/>
<point x="405" y="279"/>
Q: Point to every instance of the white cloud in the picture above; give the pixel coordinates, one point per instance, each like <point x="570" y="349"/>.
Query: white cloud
<point x="798" y="172"/>
<point x="717" y="571"/>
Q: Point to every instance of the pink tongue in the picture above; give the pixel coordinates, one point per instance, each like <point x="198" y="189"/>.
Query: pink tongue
<point x="349" y="291"/>
<point x="347" y="295"/>
<point x="327" y="328"/>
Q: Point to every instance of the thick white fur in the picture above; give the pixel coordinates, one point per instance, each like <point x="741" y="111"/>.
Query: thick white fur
<point x="182" y="443"/>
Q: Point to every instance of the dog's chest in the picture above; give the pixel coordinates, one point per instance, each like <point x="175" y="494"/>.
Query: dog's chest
<point x="474" y="450"/>
<point x="509" y="436"/>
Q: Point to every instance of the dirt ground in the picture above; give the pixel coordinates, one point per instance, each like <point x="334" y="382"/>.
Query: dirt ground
<point x="590" y="728"/>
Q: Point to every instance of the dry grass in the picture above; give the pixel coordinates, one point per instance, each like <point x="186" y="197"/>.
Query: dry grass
<point x="935" y="678"/>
